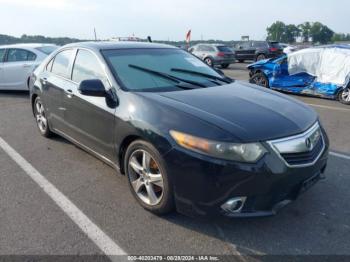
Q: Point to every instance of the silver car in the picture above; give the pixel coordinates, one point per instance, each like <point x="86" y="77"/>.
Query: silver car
<point x="17" y="62"/>
<point x="214" y="54"/>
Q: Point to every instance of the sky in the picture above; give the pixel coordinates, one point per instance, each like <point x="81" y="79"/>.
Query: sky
<point x="165" y="19"/>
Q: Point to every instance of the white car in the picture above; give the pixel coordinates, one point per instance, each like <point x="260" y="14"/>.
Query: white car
<point x="287" y="49"/>
<point x="18" y="61"/>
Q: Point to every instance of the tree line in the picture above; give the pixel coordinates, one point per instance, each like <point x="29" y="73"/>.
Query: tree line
<point x="8" y="40"/>
<point x="315" y="32"/>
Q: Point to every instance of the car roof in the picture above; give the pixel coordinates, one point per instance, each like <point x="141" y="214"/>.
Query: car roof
<point x="109" y="45"/>
<point x="29" y="45"/>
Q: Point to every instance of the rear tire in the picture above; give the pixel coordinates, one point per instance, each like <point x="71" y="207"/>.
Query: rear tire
<point x="148" y="178"/>
<point x="209" y="61"/>
<point x="344" y="96"/>
<point x="259" y="79"/>
<point x="241" y="60"/>
<point x="225" y="66"/>
<point x="41" y="119"/>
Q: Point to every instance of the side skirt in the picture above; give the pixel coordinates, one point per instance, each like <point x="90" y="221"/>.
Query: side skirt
<point x="87" y="149"/>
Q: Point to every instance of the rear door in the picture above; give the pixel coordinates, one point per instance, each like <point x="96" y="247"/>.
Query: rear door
<point x="283" y="80"/>
<point x="2" y="56"/>
<point x="17" y="68"/>
<point x="90" y="120"/>
<point x="55" y="81"/>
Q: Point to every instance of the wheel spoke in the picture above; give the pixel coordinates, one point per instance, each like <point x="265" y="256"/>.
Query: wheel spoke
<point x="38" y="108"/>
<point x="44" y="121"/>
<point x="135" y="165"/>
<point x="137" y="185"/>
<point x="151" y="194"/>
<point x="146" y="159"/>
<point x="156" y="179"/>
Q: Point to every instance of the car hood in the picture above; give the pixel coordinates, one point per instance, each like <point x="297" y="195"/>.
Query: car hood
<point x="248" y="112"/>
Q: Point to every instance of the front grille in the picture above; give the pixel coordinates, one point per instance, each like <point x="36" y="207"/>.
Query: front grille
<point x="304" y="157"/>
<point x="300" y="150"/>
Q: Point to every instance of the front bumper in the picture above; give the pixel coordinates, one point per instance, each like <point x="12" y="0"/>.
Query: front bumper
<point x="203" y="184"/>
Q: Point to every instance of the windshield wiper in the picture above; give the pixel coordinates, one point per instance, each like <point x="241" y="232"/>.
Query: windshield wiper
<point x="182" y="83"/>
<point x="223" y="79"/>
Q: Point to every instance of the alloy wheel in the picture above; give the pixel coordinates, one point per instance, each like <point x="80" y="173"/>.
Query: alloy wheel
<point x="40" y="116"/>
<point x="260" y="81"/>
<point x="145" y="177"/>
<point x="345" y="96"/>
<point x="208" y="62"/>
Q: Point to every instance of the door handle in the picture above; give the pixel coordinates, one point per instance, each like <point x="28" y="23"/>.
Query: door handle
<point x="69" y="93"/>
<point x="43" y="80"/>
<point x="26" y="65"/>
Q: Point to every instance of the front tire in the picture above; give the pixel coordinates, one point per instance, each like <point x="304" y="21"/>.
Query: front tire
<point x="41" y="119"/>
<point x="148" y="178"/>
<point x="259" y="79"/>
<point x="344" y="96"/>
<point x="224" y="66"/>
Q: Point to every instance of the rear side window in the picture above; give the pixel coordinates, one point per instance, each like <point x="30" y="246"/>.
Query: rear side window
<point x="61" y="63"/>
<point x="18" y="55"/>
<point x="209" y="48"/>
<point x="224" y="49"/>
<point x="87" y="66"/>
<point x="200" y="48"/>
<point x="2" y="54"/>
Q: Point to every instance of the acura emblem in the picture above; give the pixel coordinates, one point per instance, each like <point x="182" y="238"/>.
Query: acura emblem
<point x="308" y="143"/>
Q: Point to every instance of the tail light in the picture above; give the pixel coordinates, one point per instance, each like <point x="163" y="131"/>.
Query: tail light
<point x="273" y="49"/>
<point x="221" y="54"/>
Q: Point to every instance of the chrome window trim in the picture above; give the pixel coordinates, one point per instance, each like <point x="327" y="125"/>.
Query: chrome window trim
<point x="287" y="146"/>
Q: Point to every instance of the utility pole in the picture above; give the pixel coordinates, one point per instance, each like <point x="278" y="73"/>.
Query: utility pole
<point x="95" y="34"/>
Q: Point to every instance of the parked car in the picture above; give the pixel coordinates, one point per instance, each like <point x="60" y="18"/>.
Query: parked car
<point x="320" y="71"/>
<point x="184" y="136"/>
<point x="257" y="50"/>
<point x="17" y="62"/>
<point x="287" y="48"/>
<point x="214" y="54"/>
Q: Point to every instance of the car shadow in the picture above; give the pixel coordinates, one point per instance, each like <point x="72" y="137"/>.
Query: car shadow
<point x="14" y="93"/>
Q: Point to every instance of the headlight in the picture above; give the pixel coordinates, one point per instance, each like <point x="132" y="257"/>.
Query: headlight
<point x="250" y="152"/>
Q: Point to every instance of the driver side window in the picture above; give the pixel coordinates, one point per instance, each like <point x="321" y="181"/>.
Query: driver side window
<point x="86" y="66"/>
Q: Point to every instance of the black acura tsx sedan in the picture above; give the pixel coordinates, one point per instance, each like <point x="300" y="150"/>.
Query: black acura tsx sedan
<point x="186" y="137"/>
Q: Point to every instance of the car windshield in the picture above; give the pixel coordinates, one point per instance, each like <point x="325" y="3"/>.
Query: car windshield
<point x="160" y="69"/>
<point x="47" y="49"/>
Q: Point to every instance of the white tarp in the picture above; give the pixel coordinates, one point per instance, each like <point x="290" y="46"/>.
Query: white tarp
<point x="327" y="64"/>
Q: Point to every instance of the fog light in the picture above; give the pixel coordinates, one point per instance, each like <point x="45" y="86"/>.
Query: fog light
<point x="234" y="205"/>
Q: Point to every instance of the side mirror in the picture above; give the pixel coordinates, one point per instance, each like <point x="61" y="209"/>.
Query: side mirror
<point x="92" y="87"/>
